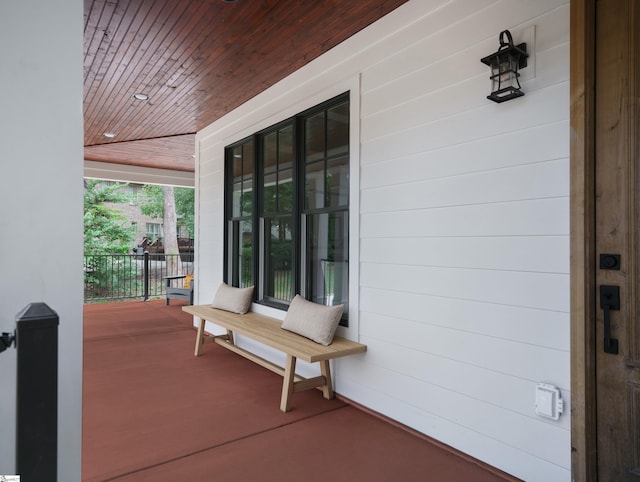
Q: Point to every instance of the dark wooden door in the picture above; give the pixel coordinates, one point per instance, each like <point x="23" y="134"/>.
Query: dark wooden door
<point x="617" y="273"/>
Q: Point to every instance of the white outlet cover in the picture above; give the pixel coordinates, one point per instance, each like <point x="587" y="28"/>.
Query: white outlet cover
<point x="548" y="401"/>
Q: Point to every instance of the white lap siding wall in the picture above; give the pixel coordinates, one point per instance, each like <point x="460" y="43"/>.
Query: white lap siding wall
<point x="460" y="223"/>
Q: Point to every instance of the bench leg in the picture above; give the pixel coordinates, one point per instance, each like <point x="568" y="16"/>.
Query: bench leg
<point x="327" y="389"/>
<point x="199" y="336"/>
<point x="287" y="383"/>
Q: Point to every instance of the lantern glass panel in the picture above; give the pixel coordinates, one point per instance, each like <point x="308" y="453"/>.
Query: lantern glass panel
<point x="505" y="75"/>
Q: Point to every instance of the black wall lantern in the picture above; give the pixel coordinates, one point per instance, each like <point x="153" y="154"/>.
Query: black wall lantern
<point x="505" y="64"/>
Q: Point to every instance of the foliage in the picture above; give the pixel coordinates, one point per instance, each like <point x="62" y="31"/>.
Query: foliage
<point x="104" y="232"/>
<point x="277" y="198"/>
<point x="151" y="201"/>
<point x="108" y="274"/>
<point x="104" y="228"/>
<point x="185" y="202"/>
<point x="108" y="271"/>
<point x="152" y="204"/>
<point x="118" y="277"/>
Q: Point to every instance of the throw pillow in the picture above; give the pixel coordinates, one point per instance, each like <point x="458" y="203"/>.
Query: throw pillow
<point x="312" y="320"/>
<point x="230" y="298"/>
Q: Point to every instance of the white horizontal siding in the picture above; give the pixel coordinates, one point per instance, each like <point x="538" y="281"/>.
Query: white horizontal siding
<point x="546" y="291"/>
<point x="533" y="144"/>
<point x="547" y="179"/>
<point x="405" y="397"/>
<point x="461" y="205"/>
<point x="459" y="407"/>
<point x="490" y="120"/>
<point x="538" y="217"/>
<point x="484" y="355"/>
<point x="464" y="236"/>
<point x="516" y="253"/>
<point x="461" y="26"/>
<point x="482" y="318"/>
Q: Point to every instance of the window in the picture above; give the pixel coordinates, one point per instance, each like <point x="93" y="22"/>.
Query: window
<point x="276" y="264"/>
<point x="239" y="200"/>
<point x="132" y="193"/>
<point x="287" y="208"/>
<point x="154" y="232"/>
<point x="183" y="231"/>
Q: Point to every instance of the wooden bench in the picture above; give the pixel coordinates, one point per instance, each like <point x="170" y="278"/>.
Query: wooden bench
<point x="268" y="331"/>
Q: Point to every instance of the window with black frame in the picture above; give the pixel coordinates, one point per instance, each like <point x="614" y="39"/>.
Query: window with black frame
<point x="287" y="208"/>
<point x="240" y="194"/>
<point x="276" y="265"/>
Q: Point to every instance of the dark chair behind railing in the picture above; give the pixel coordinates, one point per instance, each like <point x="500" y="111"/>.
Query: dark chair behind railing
<point x="119" y="277"/>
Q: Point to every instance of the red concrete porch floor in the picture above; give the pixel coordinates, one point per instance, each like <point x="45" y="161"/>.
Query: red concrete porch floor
<point x="154" y="412"/>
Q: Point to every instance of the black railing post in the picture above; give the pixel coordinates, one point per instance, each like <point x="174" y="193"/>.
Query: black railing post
<point x="146" y="275"/>
<point x="37" y="393"/>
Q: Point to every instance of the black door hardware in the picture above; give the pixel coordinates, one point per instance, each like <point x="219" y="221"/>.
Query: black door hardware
<point x="609" y="300"/>
<point x="610" y="261"/>
<point x="6" y="340"/>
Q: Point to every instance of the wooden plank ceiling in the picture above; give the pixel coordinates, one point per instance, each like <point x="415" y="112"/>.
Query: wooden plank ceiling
<point x="196" y="60"/>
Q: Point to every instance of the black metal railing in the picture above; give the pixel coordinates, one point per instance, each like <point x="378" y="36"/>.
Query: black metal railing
<point x="119" y="277"/>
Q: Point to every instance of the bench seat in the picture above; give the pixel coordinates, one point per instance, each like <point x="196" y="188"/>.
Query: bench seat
<point x="268" y="331"/>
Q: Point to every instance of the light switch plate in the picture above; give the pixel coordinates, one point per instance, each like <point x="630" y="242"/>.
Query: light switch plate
<point x="549" y="402"/>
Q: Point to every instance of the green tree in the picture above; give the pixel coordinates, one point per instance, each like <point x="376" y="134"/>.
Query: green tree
<point x="105" y="231"/>
<point x="172" y="205"/>
<point x="170" y="222"/>
<point x="185" y="202"/>
<point x="153" y="204"/>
